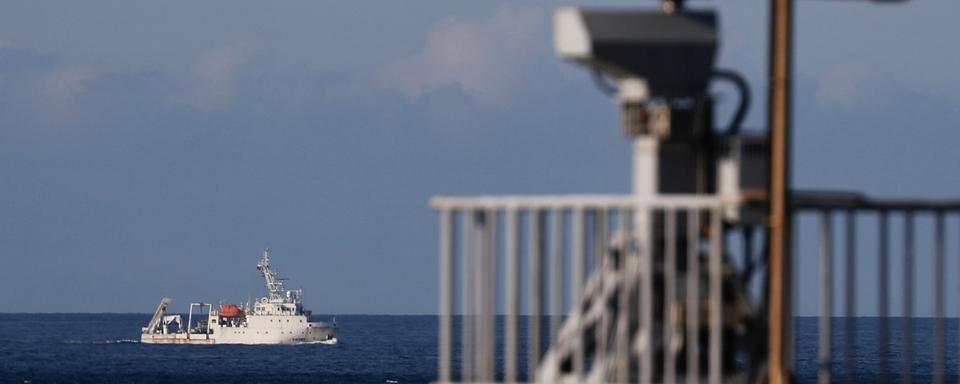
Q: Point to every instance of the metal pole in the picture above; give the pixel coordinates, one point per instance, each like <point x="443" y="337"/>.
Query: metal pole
<point x="693" y="296"/>
<point x="884" y="293"/>
<point x="643" y="229"/>
<point x="826" y="295"/>
<point x="579" y="234"/>
<point x="781" y="41"/>
<point x="850" y="290"/>
<point x="906" y="341"/>
<point x="599" y="267"/>
<point x="669" y="296"/>
<point x="600" y="238"/>
<point x="467" y="288"/>
<point x="939" y="300"/>
<point x="513" y="298"/>
<point x="556" y="274"/>
<point x="537" y="247"/>
<point x="489" y="296"/>
<point x="623" y="299"/>
<point x="715" y="281"/>
<point x="446" y="295"/>
<point x="189" y="320"/>
<point x="209" y="311"/>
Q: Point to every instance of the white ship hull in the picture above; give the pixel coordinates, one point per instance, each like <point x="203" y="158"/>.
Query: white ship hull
<point x="258" y="330"/>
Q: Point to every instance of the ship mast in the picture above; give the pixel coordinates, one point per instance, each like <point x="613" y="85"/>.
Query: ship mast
<point x="274" y="283"/>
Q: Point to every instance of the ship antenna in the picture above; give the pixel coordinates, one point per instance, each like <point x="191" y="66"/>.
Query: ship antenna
<point x="273" y="282"/>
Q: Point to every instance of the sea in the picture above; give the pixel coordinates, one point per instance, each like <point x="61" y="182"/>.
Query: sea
<point x="104" y="348"/>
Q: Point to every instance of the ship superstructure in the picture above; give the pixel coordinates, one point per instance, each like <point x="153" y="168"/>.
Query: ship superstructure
<point x="277" y="318"/>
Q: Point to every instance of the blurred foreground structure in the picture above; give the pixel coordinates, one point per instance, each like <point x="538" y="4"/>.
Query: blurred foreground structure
<point x="648" y="287"/>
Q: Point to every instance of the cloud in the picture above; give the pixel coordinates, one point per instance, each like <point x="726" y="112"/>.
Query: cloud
<point x="841" y="84"/>
<point x="214" y="76"/>
<point x="479" y="56"/>
<point x="40" y="84"/>
<point x="64" y="83"/>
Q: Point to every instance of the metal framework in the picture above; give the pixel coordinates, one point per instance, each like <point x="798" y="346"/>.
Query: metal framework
<point x="275" y="289"/>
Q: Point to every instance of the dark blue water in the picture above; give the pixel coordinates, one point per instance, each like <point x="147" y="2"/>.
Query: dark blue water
<point x="102" y="348"/>
<point x="867" y="359"/>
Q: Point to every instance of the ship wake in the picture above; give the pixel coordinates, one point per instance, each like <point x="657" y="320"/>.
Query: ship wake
<point x="103" y="342"/>
<point x="332" y="341"/>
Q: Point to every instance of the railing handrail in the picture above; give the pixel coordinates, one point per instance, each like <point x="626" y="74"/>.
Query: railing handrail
<point x="507" y="202"/>
<point x="841" y="200"/>
<point x="801" y="199"/>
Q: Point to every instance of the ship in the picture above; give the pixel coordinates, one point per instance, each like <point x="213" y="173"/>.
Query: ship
<point x="277" y="318"/>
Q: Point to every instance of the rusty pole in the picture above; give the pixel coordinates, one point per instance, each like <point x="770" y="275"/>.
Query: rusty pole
<point x="780" y="71"/>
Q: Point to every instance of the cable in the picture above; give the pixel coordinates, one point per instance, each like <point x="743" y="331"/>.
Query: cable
<point x="741" y="113"/>
<point x="602" y="83"/>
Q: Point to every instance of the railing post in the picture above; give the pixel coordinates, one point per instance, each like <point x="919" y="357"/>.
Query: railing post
<point x="643" y="229"/>
<point x="669" y="295"/>
<point x="599" y="267"/>
<point x="600" y="238"/>
<point x="512" y="296"/>
<point x="716" y="297"/>
<point x="850" y="289"/>
<point x="826" y="295"/>
<point x="446" y="296"/>
<point x="489" y="271"/>
<point x="556" y="275"/>
<point x="537" y="248"/>
<point x="906" y="340"/>
<point x="693" y="296"/>
<point x="469" y="271"/>
<point x="578" y="281"/>
<point x="884" y="299"/>
<point x="623" y="314"/>
<point x="939" y="294"/>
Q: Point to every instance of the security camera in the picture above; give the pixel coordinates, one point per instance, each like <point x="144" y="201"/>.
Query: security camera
<point x="672" y="52"/>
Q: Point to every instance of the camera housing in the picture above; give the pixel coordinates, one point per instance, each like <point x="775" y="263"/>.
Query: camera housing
<point x="673" y="52"/>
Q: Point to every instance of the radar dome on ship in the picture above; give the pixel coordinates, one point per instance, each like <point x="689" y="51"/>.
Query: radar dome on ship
<point x="230" y="311"/>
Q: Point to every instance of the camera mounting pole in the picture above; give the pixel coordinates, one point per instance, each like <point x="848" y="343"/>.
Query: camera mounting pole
<point x="780" y="316"/>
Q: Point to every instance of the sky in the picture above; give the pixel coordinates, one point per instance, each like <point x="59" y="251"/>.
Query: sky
<point x="152" y="149"/>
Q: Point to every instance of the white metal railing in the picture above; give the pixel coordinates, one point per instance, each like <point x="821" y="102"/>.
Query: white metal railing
<point x="851" y="206"/>
<point x="637" y="252"/>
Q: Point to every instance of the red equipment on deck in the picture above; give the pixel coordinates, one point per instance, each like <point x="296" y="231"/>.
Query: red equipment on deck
<point x="231" y="311"/>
